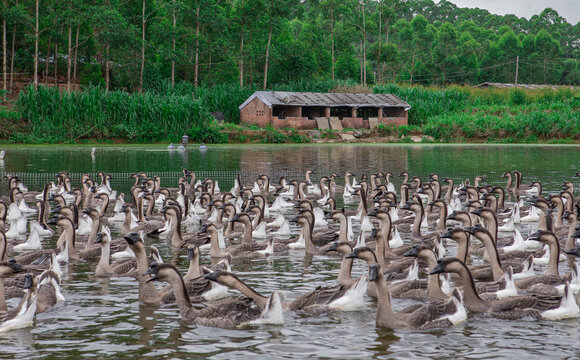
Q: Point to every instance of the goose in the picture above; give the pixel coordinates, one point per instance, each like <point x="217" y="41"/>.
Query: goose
<point x="433" y="291"/>
<point x="433" y="315"/>
<point x="238" y="251"/>
<point x="104" y="268"/>
<point x="31" y="243"/>
<point x="172" y="213"/>
<point x="508" y="308"/>
<point x="44" y="230"/>
<point x="303" y="221"/>
<point x="227" y="313"/>
<point x="199" y="288"/>
<point x="22" y="316"/>
<point x="497" y="265"/>
<point x="417" y="209"/>
<point x="7" y="269"/>
<point x="148" y="293"/>
<point x="552" y="275"/>
<point x="322" y="298"/>
<point x="49" y="291"/>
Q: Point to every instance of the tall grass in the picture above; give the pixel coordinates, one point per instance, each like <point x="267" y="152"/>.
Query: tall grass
<point x="56" y="116"/>
<point x="426" y="102"/>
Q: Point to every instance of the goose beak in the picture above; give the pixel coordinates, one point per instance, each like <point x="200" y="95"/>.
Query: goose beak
<point x="16" y="267"/>
<point x="52" y="221"/>
<point x="374" y="232"/>
<point x="190" y="253"/>
<point x="574" y="251"/>
<point x="295" y="219"/>
<point x="28" y="281"/>
<point x="99" y="238"/>
<point x="353" y="254"/>
<point x="438" y="269"/>
<point x="332" y="247"/>
<point x="213" y="276"/>
<point x="450" y="216"/>
<point x="413" y="252"/>
<point x="373" y="272"/>
<point x="448" y="234"/>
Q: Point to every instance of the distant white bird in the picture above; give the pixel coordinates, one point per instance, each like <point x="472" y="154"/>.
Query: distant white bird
<point x="171" y="147"/>
<point x="2" y="153"/>
<point x="202" y="148"/>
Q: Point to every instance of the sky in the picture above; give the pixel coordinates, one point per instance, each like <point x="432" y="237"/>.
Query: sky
<point x="568" y="9"/>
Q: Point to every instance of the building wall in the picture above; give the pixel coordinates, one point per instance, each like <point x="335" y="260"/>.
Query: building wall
<point x="256" y="113"/>
<point x="355" y="123"/>
<point x="297" y="122"/>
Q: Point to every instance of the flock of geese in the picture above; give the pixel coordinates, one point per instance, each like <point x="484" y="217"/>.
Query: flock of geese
<point x="492" y="271"/>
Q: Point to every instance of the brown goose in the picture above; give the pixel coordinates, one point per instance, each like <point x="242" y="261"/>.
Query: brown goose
<point x="104" y="268"/>
<point x="509" y="308"/>
<point x="148" y="293"/>
<point x="198" y="287"/>
<point x="322" y="298"/>
<point x="228" y="313"/>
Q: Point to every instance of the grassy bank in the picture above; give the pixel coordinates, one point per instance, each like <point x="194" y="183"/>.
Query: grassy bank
<point x="453" y="114"/>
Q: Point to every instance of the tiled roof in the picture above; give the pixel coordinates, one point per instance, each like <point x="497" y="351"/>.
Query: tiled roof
<point x="271" y="98"/>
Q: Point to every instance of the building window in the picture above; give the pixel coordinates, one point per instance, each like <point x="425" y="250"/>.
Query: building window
<point x="259" y="112"/>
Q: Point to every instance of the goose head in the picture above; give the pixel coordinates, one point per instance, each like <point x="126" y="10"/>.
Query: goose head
<point x="544" y="236"/>
<point x="363" y="253"/>
<point x="133" y="239"/>
<point x="10" y="267"/>
<point x="453" y="233"/>
<point x="192" y="252"/>
<point x="342" y="247"/>
<point x="160" y="272"/>
<point x="447" y="265"/>
<point x="374" y="272"/>
<point x="416" y="250"/>
<point x="575" y="251"/>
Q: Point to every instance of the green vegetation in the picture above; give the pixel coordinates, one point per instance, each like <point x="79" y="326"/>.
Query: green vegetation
<point x="158" y="44"/>
<point x="450" y="115"/>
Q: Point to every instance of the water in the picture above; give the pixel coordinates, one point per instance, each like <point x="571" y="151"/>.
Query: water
<point x="102" y="317"/>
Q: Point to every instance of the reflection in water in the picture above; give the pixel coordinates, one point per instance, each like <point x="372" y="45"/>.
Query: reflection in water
<point x="147" y="320"/>
<point x="385" y="338"/>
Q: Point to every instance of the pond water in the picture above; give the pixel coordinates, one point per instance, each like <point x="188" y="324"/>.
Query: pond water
<point x="102" y="317"/>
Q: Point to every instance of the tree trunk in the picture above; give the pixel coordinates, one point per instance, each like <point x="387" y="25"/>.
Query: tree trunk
<point x="76" y="53"/>
<point x="142" y="49"/>
<point x="47" y="57"/>
<point x="196" y="65"/>
<point x="267" y="56"/>
<point x="12" y="56"/>
<point x="4" y="56"/>
<point x="209" y="60"/>
<point x="56" y="64"/>
<point x="69" y="59"/>
<point x="412" y="65"/>
<point x="332" y="38"/>
<point x="107" y="69"/>
<point x="36" y="49"/>
<point x="364" y="49"/>
<point x="173" y="47"/>
<point x="242" y="57"/>
<point x="380" y="38"/>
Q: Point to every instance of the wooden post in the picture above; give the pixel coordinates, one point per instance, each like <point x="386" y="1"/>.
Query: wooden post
<point x="353" y="113"/>
<point x="327" y="112"/>
<point x="380" y="113"/>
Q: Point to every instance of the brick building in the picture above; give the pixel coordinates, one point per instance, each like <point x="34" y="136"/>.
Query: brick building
<point x="302" y="110"/>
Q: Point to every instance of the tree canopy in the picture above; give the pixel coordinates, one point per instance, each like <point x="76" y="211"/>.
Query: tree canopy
<point x="137" y="45"/>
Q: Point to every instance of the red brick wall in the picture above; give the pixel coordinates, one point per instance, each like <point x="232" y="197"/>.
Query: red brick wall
<point x="398" y="121"/>
<point x="355" y="123"/>
<point x="256" y="113"/>
<point x="294" y="123"/>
